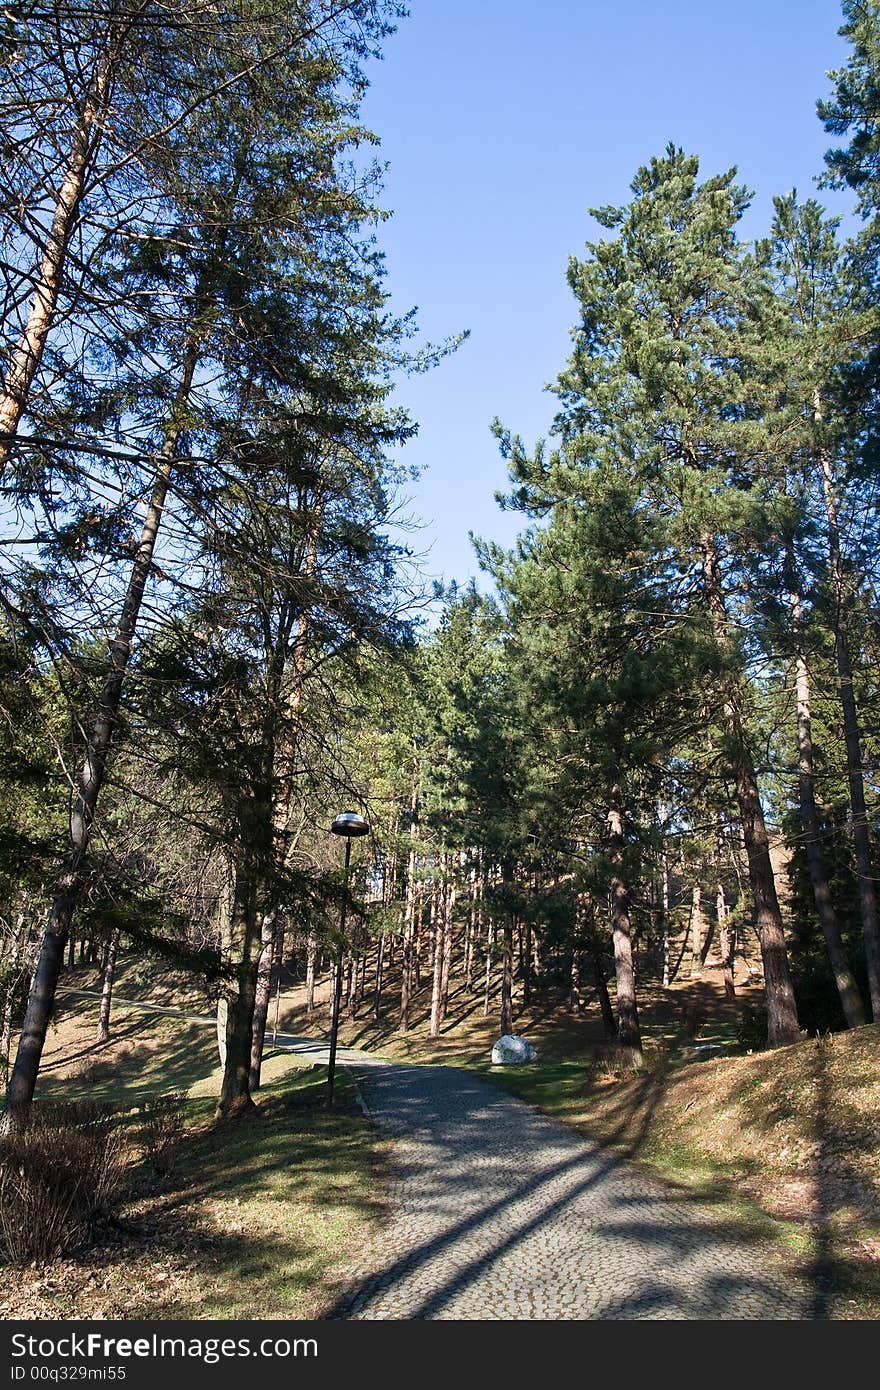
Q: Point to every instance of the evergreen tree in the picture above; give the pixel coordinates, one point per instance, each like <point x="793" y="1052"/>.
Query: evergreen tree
<point x="658" y="390"/>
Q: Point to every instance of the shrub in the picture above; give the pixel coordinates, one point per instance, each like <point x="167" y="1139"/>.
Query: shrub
<point x="162" y="1125"/>
<point x="59" y="1178"/>
<point x="93" y="1071"/>
<point x="752" y="1031"/>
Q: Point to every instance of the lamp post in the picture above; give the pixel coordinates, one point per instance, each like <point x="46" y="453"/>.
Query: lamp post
<point x="350" y="825"/>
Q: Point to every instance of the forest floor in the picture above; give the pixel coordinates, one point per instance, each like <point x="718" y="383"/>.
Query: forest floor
<point x="253" y="1221"/>
<point x="790" y="1139"/>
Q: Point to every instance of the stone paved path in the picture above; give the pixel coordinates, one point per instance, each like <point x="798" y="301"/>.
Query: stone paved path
<point x="502" y="1213"/>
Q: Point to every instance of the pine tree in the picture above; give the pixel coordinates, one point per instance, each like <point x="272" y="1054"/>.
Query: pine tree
<point x="657" y="390"/>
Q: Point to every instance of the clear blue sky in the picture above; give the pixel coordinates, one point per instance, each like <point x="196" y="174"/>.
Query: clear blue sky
<point x="503" y="121"/>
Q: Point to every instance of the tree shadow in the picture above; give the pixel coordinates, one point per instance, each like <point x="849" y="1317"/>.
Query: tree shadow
<point x="841" y="1270"/>
<point x="522" y="1210"/>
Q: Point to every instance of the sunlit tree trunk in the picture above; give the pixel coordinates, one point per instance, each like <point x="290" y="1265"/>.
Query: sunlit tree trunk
<point x="91" y="778"/>
<point x="311" y="954"/>
<point x="107" y="988"/>
<point x="852" y="739"/>
<point x="696" y="930"/>
<point x="490" y="947"/>
<point x="847" y="989"/>
<point x="25" y="358"/>
<point x="782" y="1020"/>
<point x="628" y="1030"/>
<point x="507" y="977"/>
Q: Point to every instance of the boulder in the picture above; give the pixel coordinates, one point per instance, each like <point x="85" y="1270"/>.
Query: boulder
<point x="509" y="1050"/>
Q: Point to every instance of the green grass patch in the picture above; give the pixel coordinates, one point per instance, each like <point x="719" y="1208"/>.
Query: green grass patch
<point x="256" y="1218"/>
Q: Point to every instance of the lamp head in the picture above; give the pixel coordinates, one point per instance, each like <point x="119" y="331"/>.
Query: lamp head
<point x="349" y="823"/>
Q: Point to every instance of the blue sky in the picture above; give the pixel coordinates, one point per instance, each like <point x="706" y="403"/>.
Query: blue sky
<point x="503" y="122"/>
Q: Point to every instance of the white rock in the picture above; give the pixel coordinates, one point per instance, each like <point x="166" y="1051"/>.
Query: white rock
<point x="510" y="1049"/>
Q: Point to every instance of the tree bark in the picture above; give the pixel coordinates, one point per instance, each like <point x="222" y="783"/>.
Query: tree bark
<point x="696" y="930"/>
<point x="107" y="988"/>
<point x="490" y="946"/>
<point x="574" y="983"/>
<point x="438" y="919"/>
<point x="847" y="988"/>
<point x="852" y="740"/>
<point x="91" y="779"/>
<point x="268" y="971"/>
<point x="609" y="1022"/>
<point x="448" y="945"/>
<point x="377" y="992"/>
<point x="409" y="915"/>
<point x="628" y="1030"/>
<point x="782" y="1020"/>
<point x="725" y="942"/>
<point x="665" y="910"/>
<point x="311" y="952"/>
<point x="242" y="953"/>
<point x="507" y="978"/>
<point x="26" y="356"/>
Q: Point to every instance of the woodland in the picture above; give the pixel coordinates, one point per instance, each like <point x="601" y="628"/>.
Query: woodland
<point x="653" y="737"/>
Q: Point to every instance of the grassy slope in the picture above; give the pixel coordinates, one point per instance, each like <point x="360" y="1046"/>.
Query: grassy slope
<point x="786" y="1139"/>
<point x="789" y="1140"/>
<point x="257" y="1220"/>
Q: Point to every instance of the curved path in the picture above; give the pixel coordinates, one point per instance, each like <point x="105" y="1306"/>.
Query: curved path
<point x="500" y="1212"/>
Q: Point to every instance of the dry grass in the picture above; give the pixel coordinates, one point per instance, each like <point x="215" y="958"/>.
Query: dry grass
<point x="790" y="1137"/>
<point x="254" y="1220"/>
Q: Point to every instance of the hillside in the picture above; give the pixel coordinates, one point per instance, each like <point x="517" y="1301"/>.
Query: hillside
<point x="789" y="1138"/>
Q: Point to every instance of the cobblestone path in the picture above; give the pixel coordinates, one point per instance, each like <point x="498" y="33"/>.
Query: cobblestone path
<point x="500" y="1212"/>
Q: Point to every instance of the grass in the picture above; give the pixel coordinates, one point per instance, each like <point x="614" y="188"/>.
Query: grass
<point x="259" y="1221"/>
<point x="255" y="1220"/>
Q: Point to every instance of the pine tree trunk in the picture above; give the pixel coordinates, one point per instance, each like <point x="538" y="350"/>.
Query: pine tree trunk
<point x="507" y="979"/>
<point x="311" y="952"/>
<point x="782" y="1021"/>
<point x="448" y="947"/>
<point x="268" y="971"/>
<point x="665" y="908"/>
<point x="377" y="992"/>
<point x="527" y="964"/>
<point x="725" y="942"/>
<point x="107" y="988"/>
<point x="438" y="922"/>
<point x="419" y="933"/>
<point x="90" y="782"/>
<point x="409" y="915"/>
<point x="6" y="1037"/>
<point x="222" y="1014"/>
<point x="847" y="988"/>
<point x="628" y="1031"/>
<point x="283" y="758"/>
<point x="16" y="963"/>
<point x="609" y="1022"/>
<point x="26" y="356"/>
<point x="243" y="953"/>
<point x="350" y="978"/>
<point x="490" y="945"/>
<point x="853" y="742"/>
<point x="696" y="930"/>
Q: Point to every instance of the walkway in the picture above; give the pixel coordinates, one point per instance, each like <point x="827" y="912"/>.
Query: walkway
<point x="499" y="1212"/>
<point x="502" y="1213"/>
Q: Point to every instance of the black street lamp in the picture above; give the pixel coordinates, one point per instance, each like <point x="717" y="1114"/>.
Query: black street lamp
<point x="349" y="824"/>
